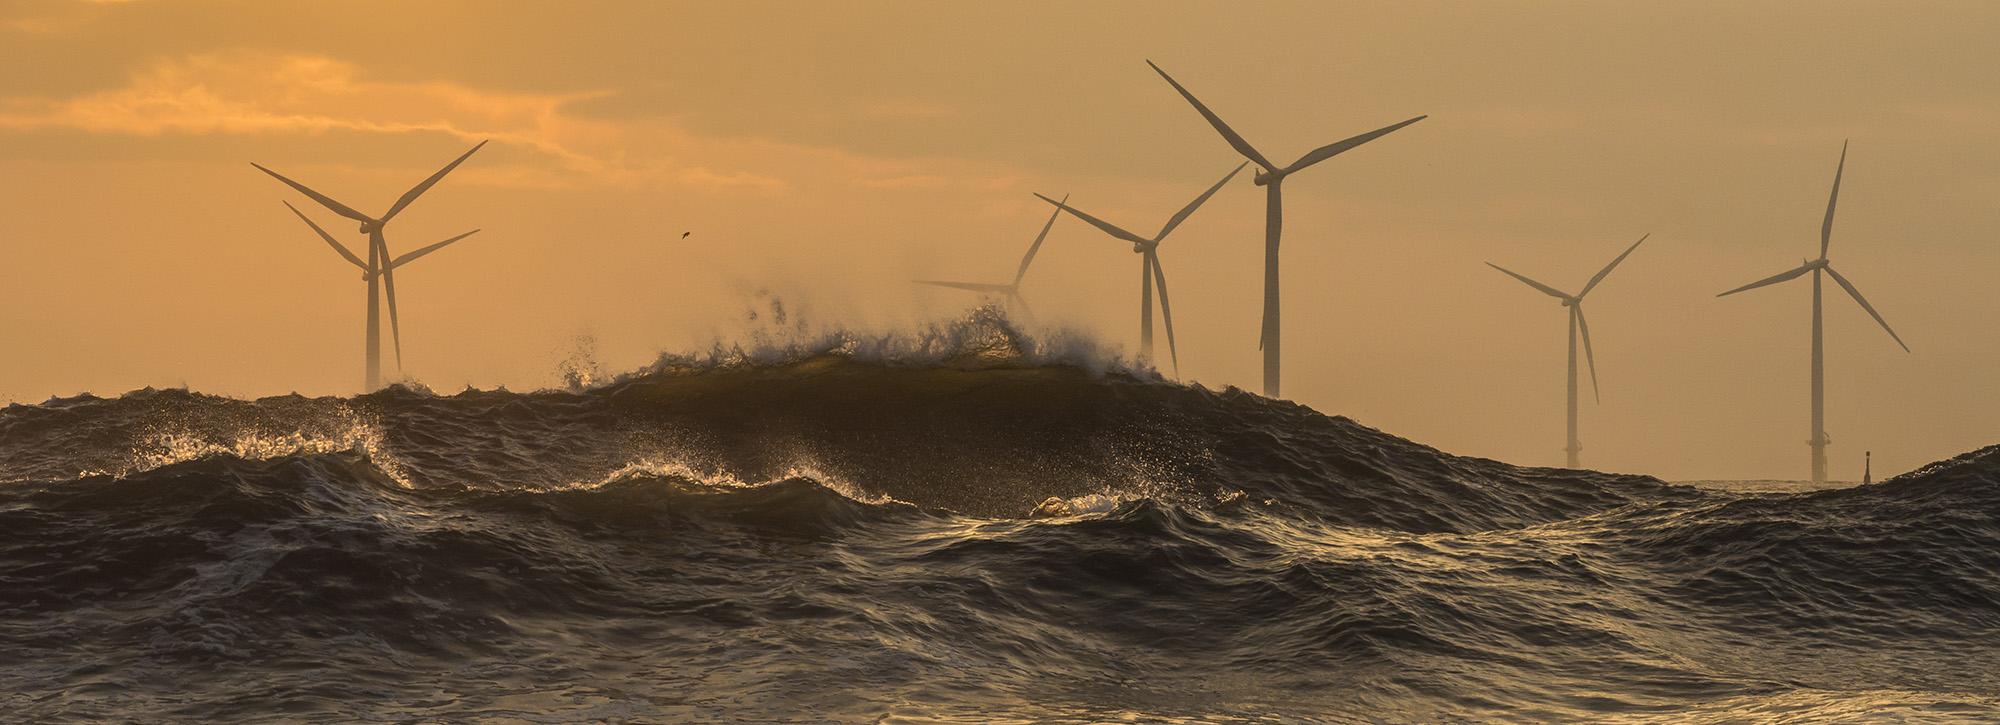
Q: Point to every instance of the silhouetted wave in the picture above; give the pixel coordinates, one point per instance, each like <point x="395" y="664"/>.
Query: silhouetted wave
<point x="826" y="535"/>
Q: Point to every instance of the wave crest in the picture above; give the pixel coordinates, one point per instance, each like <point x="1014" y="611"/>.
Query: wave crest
<point x="984" y="337"/>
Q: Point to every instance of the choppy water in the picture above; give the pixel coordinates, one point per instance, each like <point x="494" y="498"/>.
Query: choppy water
<point x="961" y="537"/>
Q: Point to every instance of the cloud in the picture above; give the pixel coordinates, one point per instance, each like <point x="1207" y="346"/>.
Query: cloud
<point x="245" y="93"/>
<point x="911" y="110"/>
<point x="260" y="94"/>
<point x="49" y="18"/>
<point x="738" y="179"/>
<point x="911" y="181"/>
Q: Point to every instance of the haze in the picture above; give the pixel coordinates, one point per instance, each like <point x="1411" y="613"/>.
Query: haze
<point x="829" y="153"/>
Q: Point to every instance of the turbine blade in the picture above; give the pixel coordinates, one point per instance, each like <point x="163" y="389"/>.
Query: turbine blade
<point x="1771" y="280"/>
<point x="329" y="238"/>
<point x="1188" y="210"/>
<point x="411" y="257"/>
<point x="970" y="286"/>
<point x="1166" y="311"/>
<point x="389" y="285"/>
<point x="1856" y="294"/>
<point x="324" y="200"/>
<point x="1338" y="147"/>
<point x="1826" y="227"/>
<point x="1228" y="134"/>
<point x="1029" y="258"/>
<point x="1589" y="355"/>
<point x="1027" y="313"/>
<point x="1547" y="290"/>
<point x="419" y="189"/>
<point x="1607" y="268"/>
<point x="1106" y="227"/>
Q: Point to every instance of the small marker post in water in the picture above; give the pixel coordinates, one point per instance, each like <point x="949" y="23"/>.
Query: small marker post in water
<point x="1867" y="467"/>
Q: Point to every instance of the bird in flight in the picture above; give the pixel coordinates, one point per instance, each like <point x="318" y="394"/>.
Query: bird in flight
<point x="684" y="235"/>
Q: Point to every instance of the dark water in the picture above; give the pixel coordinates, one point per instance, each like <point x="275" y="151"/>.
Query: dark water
<point x="836" y="539"/>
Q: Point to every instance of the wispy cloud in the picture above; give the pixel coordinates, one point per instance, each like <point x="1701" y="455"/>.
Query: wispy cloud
<point x="246" y="93"/>
<point x="907" y="109"/>
<point x="52" y="23"/>
<point x="910" y="181"/>
<point x="243" y="93"/>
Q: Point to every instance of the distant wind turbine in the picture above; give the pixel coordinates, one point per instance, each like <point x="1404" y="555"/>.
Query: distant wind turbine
<point x="1271" y="178"/>
<point x="1817" y="266"/>
<point x="380" y="264"/>
<point x="1150" y="270"/>
<point x="1010" y="292"/>
<point x="1577" y="324"/>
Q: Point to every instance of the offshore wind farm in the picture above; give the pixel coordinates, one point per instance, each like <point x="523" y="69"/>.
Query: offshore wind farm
<point x="740" y="410"/>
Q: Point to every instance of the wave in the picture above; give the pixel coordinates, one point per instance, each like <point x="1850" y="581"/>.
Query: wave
<point x="1631" y="612"/>
<point x="985" y="338"/>
<point x="986" y="441"/>
<point x="839" y="533"/>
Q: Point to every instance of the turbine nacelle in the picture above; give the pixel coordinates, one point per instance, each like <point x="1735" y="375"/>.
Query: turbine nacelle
<point x="1267" y="178"/>
<point x="1144" y="247"/>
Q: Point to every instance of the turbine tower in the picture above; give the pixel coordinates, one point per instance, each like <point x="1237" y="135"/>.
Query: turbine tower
<point x="1577" y="324"/>
<point x="380" y="265"/>
<point x="1150" y="270"/>
<point x="1010" y="292"/>
<point x="1272" y="178"/>
<point x="1817" y="267"/>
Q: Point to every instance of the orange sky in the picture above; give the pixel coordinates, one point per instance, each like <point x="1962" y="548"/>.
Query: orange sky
<point x="829" y="152"/>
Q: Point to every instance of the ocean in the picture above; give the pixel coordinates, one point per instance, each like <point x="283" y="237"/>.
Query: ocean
<point x="970" y="535"/>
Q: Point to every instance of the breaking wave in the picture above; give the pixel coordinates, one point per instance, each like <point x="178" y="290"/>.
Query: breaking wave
<point x="963" y="525"/>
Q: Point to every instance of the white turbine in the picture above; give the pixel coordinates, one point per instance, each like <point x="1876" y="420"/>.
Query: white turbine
<point x="1010" y="292"/>
<point x="1577" y="324"/>
<point x="1816" y="267"/>
<point x="380" y="264"/>
<point x="1150" y="270"/>
<point x="1271" y="179"/>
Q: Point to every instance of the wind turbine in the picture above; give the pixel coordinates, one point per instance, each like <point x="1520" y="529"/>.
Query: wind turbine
<point x="1816" y="267"/>
<point x="1011" y="291"/>
<point x="380" y="266"/>
<point x="1272" y="178"/>
<point x="372" y="269"/>
<point x="1577" y="324"/>
<point x="1150" y="270"/>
